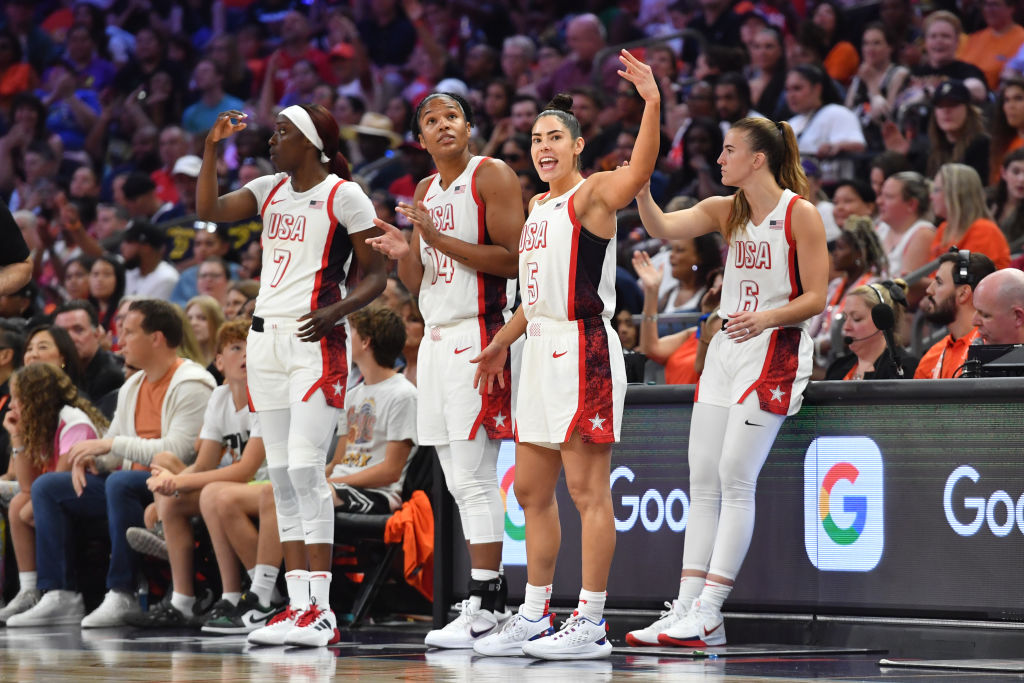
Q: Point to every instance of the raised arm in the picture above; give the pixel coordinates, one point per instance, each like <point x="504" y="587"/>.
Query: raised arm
<point x="234" y="206"/>
<point x="614" y="190"/>
<point x="708" y="215"/>
<point x="652" y="345"/>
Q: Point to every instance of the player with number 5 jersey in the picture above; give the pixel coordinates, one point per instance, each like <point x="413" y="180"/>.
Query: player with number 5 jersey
<point x="315" y="223"/>
<point x="573" y="381"/>
<point x="756" y="368"/>
<point x="461" y="262"/>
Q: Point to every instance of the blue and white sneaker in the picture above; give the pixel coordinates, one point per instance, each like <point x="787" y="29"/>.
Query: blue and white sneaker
<point x="510" y="640"/>
<point x="579" y="638"/>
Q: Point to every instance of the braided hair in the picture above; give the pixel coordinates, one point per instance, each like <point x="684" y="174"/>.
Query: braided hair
<point x="860" y="230"/>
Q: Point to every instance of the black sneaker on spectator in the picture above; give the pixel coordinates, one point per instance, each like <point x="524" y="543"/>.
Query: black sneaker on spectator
<point x="166" y="615"/>
<point x="247" y="616"/>
<point x="147" y="541"/>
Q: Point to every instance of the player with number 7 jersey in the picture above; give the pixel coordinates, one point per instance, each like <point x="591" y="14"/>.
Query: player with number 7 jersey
<point x="461" y="262"/>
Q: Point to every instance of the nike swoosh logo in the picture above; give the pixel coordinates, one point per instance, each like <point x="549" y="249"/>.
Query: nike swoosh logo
<point x="288" y="529"/>
<point x="461" y="350"/>
<point x="708" y="633"/>
<point x="748" y="422"/>
<point x="556" y="354"/>
<point x="251" y="621"/>
<point x="278" y="201"/>
<point x="476" y="634"/>
<point x="429" y="198"/>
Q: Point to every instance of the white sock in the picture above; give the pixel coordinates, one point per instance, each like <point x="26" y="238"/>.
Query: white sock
<point x="480" y="575"/>
<point x="251" y="572"/>
<point x="264" y="578"/>
<point x="689" y="590"/>
<point x="233" y="598"/>
<point x="591" y="605"/>
<point x="183" y="603"/>
<point x="714" y="594"/>
<point x="320" y="589"/>
<point x="536" y="602"/>
<point x="298" y="589"/>
<point x="26" y="581"/>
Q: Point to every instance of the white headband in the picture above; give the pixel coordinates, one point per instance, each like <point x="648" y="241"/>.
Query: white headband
<point x="300" y="118"/>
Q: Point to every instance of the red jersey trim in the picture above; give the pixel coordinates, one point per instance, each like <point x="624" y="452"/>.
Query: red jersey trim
<point x="764" y="368"/>
<point x="576" y="227"/>
<point x="266" y="202"/>
<point x="481" y="238"/>
<point x="794" y="283"/>
<point x="581" y="352"/>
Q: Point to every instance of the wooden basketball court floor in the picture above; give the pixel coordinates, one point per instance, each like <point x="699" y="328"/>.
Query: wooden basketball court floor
<point x="395" y="652"/>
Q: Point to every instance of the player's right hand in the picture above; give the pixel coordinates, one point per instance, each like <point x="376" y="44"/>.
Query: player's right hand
<point x="223" y="128"/>
<point x="392" y="243"/>
<point x="490" y="366"/>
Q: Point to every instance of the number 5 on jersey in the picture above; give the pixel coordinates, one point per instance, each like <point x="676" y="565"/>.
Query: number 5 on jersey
<point x="532" y="286"/>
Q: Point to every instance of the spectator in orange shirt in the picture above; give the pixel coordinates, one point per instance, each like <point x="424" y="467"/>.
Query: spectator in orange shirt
<point x="949" y="302"/>
<point x="957" y="196"/>
<point x="992" y="47"/>
<point x="841" y="61"/>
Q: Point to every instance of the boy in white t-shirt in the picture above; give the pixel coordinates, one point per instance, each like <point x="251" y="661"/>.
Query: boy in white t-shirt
<point x="230" y="450"/>
<point x="370" y="461"/>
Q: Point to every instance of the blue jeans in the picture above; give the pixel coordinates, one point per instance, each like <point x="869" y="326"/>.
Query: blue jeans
<point x="54" y="505"/>
<point x="121" y="497"/>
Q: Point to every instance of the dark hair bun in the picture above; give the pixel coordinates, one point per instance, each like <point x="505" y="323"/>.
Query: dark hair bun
<point x="561" y="102"/>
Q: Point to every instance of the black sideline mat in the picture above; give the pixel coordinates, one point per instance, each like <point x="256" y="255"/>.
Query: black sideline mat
<point x="997" y="665"/>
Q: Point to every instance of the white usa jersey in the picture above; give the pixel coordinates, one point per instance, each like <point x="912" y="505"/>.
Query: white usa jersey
<point x="306" y="245"/>
<point x="761" y="270"/>
<point x="451" y="291"/>
<point x="565" y="271"/>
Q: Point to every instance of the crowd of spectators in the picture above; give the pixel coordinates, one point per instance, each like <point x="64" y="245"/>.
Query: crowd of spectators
<point x="104" y="106"/>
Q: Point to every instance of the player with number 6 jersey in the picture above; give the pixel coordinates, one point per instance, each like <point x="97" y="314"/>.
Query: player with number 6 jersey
<point x="314" y="223"/>
<point x="756" y="368"/>
<point x="461" y="262"/>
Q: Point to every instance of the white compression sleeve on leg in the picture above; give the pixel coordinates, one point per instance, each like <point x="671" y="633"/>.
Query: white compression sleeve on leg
<point x="748" y="439"/>
<point x="707" y="433"/>
<point x="275" y="425"/>
<point x="312" y="427"/>
<point x="470" y="469"/>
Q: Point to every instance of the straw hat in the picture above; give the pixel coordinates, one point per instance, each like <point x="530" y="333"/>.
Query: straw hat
<point x="373" y="123"/>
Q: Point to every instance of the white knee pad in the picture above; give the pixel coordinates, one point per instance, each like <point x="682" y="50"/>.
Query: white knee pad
<point x="289" y="522"/>
<point x="315" y="502"/>
<point x="470" y="469"/>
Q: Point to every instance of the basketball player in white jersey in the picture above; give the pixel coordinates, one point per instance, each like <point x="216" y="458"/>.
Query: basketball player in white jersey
<point x="757" y="367"/>
<point x="314" y="222"/>
<point x="462" y="264"/>
<point x="573" y="380"/>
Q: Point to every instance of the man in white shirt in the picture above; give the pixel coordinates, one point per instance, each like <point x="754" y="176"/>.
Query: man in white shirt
<point x="147" y="273"/>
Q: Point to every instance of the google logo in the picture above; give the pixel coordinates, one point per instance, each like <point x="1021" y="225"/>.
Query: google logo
<point x="513" y="551"/>
<point x="512" y="530"/>
<point x="844" y="504"/>
<point x="858" y="505"/>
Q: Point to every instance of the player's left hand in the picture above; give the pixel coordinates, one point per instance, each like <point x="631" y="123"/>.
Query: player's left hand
<point x="640" y="75"/>
<point x="747" y="325"/>
<point x="318" y="324"/>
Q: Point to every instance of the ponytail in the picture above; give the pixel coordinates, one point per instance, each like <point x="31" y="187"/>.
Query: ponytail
<point x="339" y="166"/>
<point x="778" y="143"/>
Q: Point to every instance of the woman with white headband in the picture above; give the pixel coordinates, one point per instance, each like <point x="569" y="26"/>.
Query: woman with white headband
<point x="313" y="222"/>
